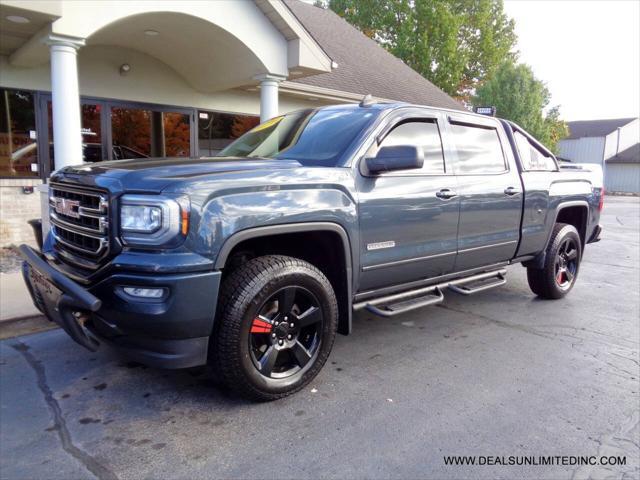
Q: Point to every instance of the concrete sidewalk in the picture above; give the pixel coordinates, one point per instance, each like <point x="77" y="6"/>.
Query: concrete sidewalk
<point x="16" y="302"/>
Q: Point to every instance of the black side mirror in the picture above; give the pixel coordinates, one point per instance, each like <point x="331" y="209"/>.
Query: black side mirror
<point x="399" y="157"/>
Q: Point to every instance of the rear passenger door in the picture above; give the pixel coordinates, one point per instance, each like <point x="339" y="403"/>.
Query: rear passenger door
<point x="490" y="191"/>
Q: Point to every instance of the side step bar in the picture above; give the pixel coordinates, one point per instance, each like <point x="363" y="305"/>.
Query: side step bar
<point x="402" y="305"/>
<point x="399" y="303"/>
<point x="469" y="289"/>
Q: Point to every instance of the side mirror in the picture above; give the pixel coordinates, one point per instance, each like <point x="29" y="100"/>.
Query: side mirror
<point x="399" y="157"/>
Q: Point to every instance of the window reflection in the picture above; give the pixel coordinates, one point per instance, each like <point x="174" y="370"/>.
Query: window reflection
<point x="140" y="133"/>
<point x="91" y="129"/>
<point x="18" y="147"/>
<point x="531" y="157"/>
<point x="478" y="148"/>
<point x="424" y="135"/>
<point x="217" y="130"/>
<point x="311" y="137"/>
<point x="91" y="133"/>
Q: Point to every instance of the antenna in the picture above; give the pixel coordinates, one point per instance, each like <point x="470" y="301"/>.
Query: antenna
<point x="367" y="100"/>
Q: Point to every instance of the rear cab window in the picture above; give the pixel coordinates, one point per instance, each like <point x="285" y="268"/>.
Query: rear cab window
<point x="533" y="158"/>
<point x="478" y="147"/>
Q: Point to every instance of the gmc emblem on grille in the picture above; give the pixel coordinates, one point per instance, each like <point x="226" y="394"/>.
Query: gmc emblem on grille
<point x="65" y="206"/>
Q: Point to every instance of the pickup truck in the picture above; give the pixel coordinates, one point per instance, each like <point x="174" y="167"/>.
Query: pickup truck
<point x="253" y="260"/>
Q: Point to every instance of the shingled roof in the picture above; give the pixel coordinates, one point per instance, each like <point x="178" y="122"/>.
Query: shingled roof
<point x="364" y="66"/>
<point x="595" y="128"/>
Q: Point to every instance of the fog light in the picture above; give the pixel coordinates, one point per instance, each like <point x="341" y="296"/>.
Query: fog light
<point x="144" y="292"/>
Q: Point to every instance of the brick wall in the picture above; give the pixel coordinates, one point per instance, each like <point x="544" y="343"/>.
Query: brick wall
<point x="16" y="208"/>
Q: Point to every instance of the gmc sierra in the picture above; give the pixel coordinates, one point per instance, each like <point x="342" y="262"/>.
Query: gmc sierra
<point x="251" y="261"/>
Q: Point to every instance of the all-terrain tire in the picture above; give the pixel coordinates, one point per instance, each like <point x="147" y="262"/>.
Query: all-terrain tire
<point x="547" y="282"/>
<point x="242" y="296"/>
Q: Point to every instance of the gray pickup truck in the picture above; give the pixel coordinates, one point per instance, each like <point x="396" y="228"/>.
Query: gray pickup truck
<point x="252" y="261"/>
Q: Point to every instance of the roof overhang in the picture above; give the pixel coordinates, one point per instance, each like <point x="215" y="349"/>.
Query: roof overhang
<point x="213" y="46"/>
<point x="304" y="53"/>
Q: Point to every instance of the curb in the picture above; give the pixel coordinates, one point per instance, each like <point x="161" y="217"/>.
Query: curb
<point x="26" y="325"/>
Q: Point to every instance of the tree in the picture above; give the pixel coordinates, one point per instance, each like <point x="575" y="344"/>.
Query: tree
<point x="457" y="44"/>
<point x="242" y="124"/>
<point x="520" y="97"/>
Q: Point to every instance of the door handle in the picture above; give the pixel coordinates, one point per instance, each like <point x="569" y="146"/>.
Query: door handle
<point x="446" y="194"/>
<point x="511" y="191"/>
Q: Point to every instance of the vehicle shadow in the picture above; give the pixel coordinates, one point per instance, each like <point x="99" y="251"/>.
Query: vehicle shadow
<point x="106" y="388"/>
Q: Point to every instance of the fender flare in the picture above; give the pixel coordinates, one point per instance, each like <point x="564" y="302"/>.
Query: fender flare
<point x="256" y="232"/>
<point x="538" y="261"/>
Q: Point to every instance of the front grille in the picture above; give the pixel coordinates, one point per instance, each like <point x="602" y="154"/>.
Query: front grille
<point x="80" y="224"/>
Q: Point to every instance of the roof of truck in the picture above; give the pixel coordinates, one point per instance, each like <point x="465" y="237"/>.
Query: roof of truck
<point x="393" y="105"/>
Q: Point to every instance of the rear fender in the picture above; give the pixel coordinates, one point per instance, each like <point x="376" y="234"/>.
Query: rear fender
<point x="539" y="260"/>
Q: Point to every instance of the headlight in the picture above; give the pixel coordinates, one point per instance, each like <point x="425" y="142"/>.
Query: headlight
<point x="140" y="218"/>
<point x="153" y="220"/>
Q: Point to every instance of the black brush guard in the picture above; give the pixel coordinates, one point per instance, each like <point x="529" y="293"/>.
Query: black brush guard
<point x="66" y="303"/>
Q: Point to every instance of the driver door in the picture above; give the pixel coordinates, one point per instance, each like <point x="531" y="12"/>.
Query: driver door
<point x="408" y="218"/>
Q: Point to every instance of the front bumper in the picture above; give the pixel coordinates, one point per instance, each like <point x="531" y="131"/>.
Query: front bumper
<point x="170" y="332"/>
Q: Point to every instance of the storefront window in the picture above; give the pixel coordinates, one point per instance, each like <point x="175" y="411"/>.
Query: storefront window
<point x="91" y="133"/>
<point x="217" y="130"/>
<point x="18" y="147"/>
<point x="140" y="133"/>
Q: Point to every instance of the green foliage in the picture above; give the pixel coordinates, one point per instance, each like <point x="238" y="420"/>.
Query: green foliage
<point x="456" y="44"/>
<point x="520" y="97"/>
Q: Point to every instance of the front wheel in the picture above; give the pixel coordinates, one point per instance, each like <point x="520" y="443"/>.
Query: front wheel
<point x="276" y="327"/>
<point x="562" y="262"/>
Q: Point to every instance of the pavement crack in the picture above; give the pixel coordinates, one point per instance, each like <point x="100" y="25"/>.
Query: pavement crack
<point x="627" y="358"/>
<point x="576" y="342"/>
<point x="604" y="264"/>
<point x="59" y="423"/>
<point x="619" y="443"/>
<point x="499" y="323"/>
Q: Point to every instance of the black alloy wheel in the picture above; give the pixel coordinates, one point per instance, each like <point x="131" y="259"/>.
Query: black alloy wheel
<point x="566" y="265"/>
<point x="558" y="273"/>
<point x="275" y="326"/>
<point x="286" y="334"/>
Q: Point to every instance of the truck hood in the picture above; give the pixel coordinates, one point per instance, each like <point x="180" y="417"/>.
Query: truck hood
<point x="157" y="174"/>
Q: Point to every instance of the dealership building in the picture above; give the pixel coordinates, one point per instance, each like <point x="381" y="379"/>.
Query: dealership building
<point x="92" y="81"/>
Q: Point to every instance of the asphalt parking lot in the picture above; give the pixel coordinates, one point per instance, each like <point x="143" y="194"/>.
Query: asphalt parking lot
<point x="500" y="373"/>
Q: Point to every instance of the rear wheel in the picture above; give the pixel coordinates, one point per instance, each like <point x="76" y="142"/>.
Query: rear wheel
<point x="276" y="327"/>
<point x="562" y="262"/>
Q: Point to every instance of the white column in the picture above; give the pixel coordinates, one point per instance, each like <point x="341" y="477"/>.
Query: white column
<point x="67" y="137"/>
<point x="268" y="96"/>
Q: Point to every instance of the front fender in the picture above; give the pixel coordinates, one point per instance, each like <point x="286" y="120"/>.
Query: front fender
<point x="223" y="217"/>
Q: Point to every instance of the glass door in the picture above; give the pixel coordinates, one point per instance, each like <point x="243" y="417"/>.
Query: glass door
<point x="143" y="133"/>
<point x="93" y="120"/>
<point x="18" y="145"/>
<point x="113" y="130"/>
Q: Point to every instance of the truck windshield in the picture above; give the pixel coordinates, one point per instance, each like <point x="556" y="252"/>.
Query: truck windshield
<point x="312" y="137"/>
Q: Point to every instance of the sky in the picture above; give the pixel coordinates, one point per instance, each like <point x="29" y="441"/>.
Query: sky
<point x="586" y="51"/>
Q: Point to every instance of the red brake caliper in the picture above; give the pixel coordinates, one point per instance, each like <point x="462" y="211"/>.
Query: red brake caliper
<point x="260" y="326"/>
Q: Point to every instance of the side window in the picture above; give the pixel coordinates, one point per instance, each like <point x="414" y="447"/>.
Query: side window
<point x="532" y="158"/>
<point x="479" y="149"/>
<point x="425" y="135"/>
